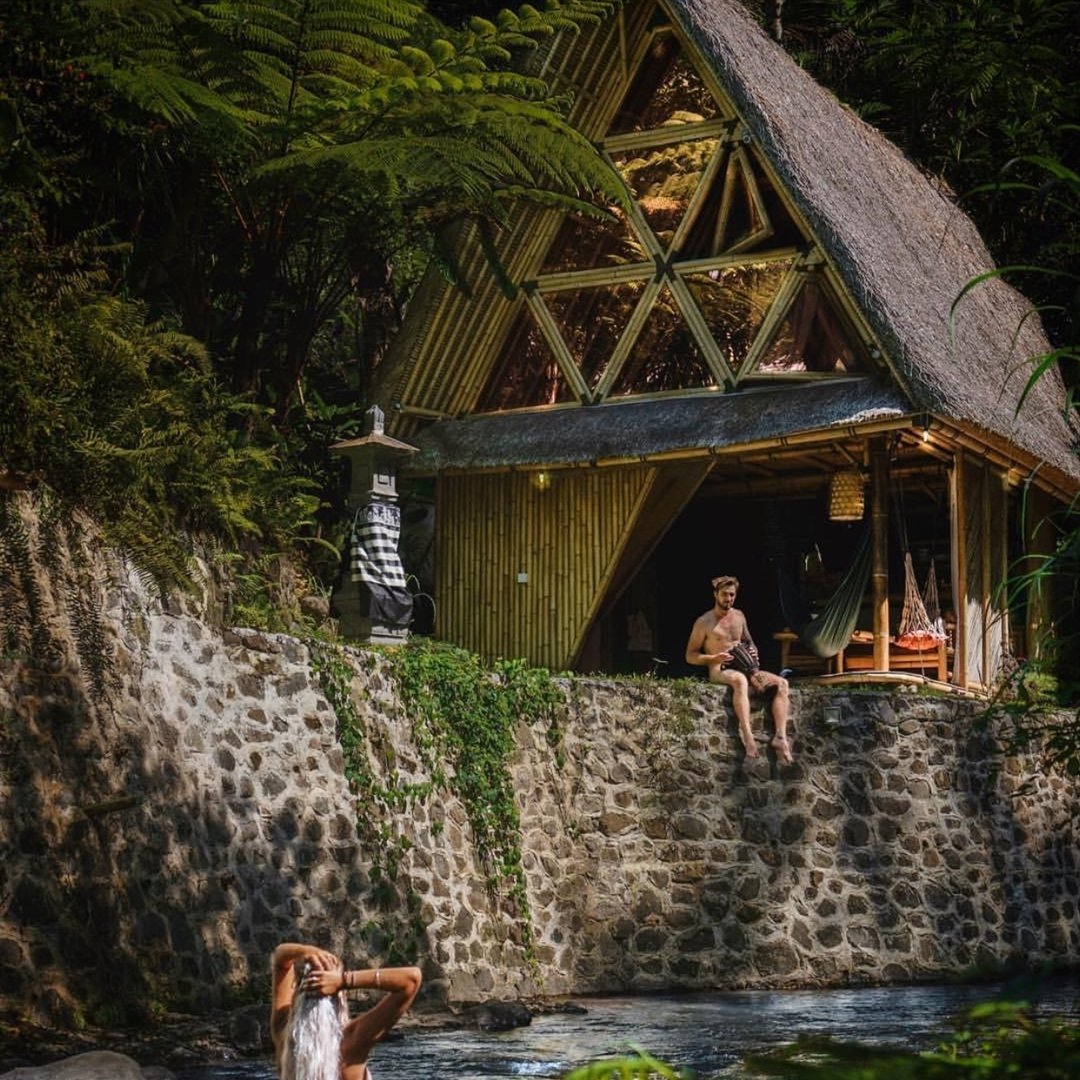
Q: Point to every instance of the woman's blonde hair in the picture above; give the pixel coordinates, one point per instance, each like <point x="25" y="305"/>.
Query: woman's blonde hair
<point x="312" y="1048"/>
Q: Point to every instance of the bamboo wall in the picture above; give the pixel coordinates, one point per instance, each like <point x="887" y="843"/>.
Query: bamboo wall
<point x="567" y="539"/>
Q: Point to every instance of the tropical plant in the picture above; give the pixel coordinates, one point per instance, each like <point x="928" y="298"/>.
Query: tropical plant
<point x="962" y="86"/>
<point x="241" y="197"/>
<point x="293" y="155"/>
<point x="1026" y="694"/>
<point x="992" y="1041"/>
<point x="121" y="415"/>
<point x="635" y="1066"/>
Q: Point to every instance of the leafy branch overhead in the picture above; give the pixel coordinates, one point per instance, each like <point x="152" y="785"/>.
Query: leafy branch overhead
<point x="341" y="128"/>
<point x="241" y="198"/>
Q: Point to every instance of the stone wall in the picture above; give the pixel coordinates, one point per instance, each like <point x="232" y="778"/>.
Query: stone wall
<point x="168" y="816"/>
<point x="899" y="847"/>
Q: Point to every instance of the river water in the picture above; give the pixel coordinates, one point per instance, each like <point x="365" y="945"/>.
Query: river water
<point x="706" y="1032"/>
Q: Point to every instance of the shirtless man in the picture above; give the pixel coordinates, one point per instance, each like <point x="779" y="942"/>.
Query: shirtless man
<point x="301" y="971"/>
<point x="714" y="633"/>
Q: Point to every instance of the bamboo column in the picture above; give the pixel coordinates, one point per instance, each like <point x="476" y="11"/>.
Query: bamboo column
<point x="1002" y="571"/>
<point x="879" y="526"/>
<point x="959" y="569"/>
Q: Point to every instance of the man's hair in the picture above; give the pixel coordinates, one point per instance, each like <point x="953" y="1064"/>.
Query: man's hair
<point x="725" y="581"/>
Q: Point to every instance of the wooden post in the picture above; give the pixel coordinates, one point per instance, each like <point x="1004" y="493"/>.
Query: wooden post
<point x="1002" y="571"/>
<point x="879" y="525"/>
<point x="959" y="569"/>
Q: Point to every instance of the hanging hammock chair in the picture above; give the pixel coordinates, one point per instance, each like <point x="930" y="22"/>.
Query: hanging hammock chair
<point x="830" y="631"/>
<point x="921" y="626"/>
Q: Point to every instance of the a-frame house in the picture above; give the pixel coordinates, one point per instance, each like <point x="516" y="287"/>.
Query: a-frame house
<point x="671" y="395"/>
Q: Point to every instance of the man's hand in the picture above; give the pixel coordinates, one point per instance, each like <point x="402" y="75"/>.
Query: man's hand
<point x="716" y="658"/>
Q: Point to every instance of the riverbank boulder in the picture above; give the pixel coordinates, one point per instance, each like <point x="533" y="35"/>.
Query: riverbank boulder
<point x="96" y="1065"/>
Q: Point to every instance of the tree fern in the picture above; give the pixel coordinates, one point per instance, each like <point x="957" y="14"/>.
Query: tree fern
<point x="196" y="196"/>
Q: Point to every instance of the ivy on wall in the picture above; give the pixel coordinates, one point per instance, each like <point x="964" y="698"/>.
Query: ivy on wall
<point x="463" y="716"/>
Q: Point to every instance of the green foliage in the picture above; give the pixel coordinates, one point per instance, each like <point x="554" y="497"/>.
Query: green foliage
<point x="1046" y="680"/>
<point x="1037" y="706"/>
<point x="1054" y="190"/>
<point x="119" y="415"/>
<point x="304" y="155"/>
<point x="464" y="718"/>
<point x="637" y="1066"/>
<point x="994" y="1041"/>
<point x="964" y="87"/>
<point x="213" y="214"/>
<point x="398" y="935"/>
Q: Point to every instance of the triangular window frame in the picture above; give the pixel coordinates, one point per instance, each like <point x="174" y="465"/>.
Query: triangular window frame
<point x="734" y="161"/>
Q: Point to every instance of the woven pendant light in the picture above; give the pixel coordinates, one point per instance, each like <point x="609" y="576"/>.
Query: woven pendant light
<point x="847" y="496"/>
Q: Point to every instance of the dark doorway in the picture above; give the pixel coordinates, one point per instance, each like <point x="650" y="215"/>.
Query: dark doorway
<point x="750" y="537"/>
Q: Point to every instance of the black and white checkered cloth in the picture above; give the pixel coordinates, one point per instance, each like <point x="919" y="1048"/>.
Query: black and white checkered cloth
<point x="373" y="552"/>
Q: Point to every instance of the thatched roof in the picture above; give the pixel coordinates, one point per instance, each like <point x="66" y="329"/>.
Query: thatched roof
<point x="901" y="244"/>
<point x="902" y="247"/>
<point x="582" y="436"/>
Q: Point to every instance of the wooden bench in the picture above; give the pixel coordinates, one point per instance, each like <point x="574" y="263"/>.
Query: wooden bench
<point x="794" y="655"/>
<point x="858" y="655"/>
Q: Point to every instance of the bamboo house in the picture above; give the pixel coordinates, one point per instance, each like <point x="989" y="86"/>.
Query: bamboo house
<point x="755" y="369"/>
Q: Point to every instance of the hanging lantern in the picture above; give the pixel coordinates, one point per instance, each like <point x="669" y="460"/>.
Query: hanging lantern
<point x="847" y="496"/>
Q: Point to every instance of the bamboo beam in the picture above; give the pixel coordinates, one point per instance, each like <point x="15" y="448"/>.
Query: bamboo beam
<point x="1046" y="477"/>
<point x="675" y="133"/>
<point x="728" y="262"/>
<point x="879" y="525"/>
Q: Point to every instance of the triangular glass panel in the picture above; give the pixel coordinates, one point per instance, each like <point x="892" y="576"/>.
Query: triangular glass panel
<point x="585" y="244"/>
<point x="665" y="355"/>
<point x="741" y="213"/>
<point x="526" y="372"/>
<point x="663" y="181"/>
<point x="734" y="301"/>
<point x="812" y="337"/>
<point x="666" y="88"/>
<point x="592" y="321"/>
<point x="785" y="233"/>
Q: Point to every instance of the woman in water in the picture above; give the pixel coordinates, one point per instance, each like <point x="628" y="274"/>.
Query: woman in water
<point x="314" y="1039"/>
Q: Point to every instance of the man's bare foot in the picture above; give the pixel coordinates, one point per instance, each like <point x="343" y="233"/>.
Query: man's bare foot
<point x="751" y="749"/>
<point x="783" y="750"/>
